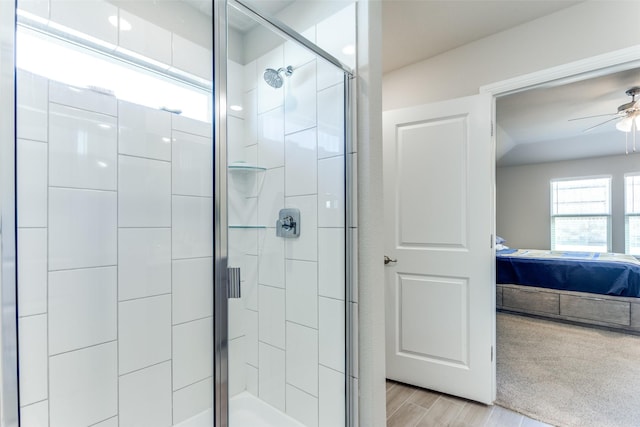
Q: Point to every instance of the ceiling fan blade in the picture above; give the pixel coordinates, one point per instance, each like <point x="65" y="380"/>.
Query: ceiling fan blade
<point x="590" y="117"/>
<point x="599" y="124"/>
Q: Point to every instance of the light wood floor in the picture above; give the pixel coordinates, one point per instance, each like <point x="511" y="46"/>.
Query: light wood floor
<point x="409" y="406"/>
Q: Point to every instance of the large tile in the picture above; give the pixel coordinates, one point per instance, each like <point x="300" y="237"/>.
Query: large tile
<point x="85" y="99"/>
<point x="36" y="415"/>
<point x="89" y="17"/>
<point x="302" y="358"/>
<point x="250" y="100"/>
<point x="237" y="380"/>
<point x="241" y="208"/>
<point x="252" y="380"/>
<point x="111" y="422"/>
<point x="331" y="333"/>
<point x="192" y="400"/>
<point x="235" y="88"/>
<point x="192" y="352"/>
<point x="192" y="58"/>
<point x="301" y="164"/>
<point x="270" y="134"/>
<point x="332" y="399"/>
<point x="145" y="38"/>
<point x="269" y="97"/>
<point x="192" y="231"/>
<point x="144" y="131"/>
<point x="144" y="262"/>
<point x="331" y="126"/>
<point x="192" y="165"/>
<point x="83" y="149"/>
<point x="295" y="54"/>
<point x="302" y="292"/>
<point x="33" y="359"/>
<point x="192" y="289"/>
<point x="249" y="277"/>
<point x="270" y="258"/>
<point x="331" y="262"/>
<point x="144" y="332"/>
<point x="271" y="316"/>
<point x="82" y="228"/>
<point x="82" y="308"/>
<point x="189" y="125"/>
<point x="271" y="376"/>
<point x="32" y="271"/>
<point x="331" y="209"/>
<point x="144" y="192"/>
<point x="328" y="74"/>
<point x="304" y="247"/>
<point x="302" y="406"/>
<point x="271" y="198"/>
<point x="235" y="319"/>
<point x="146" y="397"/>
<point x="235" y="141"/>
<point x="32" y="183"/>
<point x="336" y="42"/>
<point x="300" y="99"/>
<point x="32" y="95"/>
<point x="84" y="386"/>
<point x="250" y="74"/>
<point x="251" y="337"/>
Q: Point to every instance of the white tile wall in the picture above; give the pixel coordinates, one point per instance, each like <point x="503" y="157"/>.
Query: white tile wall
<point x="235" y="88"/>
<point x="332" y="398"/>
<point x="331" y="252"/>
<point x="144" y="327"/>
<point x="331" y="333"/>
<point x="89" y="17"/>
<point x="271" y="316"/>
<point x="302" y="406"/>
<point x="192" y="165"/>
<point x="334" y="41"/>
<point x="84" y="99"/>
<point x="250" y="100"/>
<point x="32" y="270"/>
<point x="235" y="141"/>
<point x="300" y="98"/>
<point x="82" y="395"/>
<point x="249" y="277"/>
<point x="270" y="134"/>
<point x="82" y="308"/>
<point x="271" y="198"/>
<point x="271" y="376"/>
<point x="145" y="38"/>
<point x="301" y="163"/>
<point x="237" y="353"/>
<point x="82" y="149"/>
<point x="192" y="231"/>
<point x="188" y="125"/>
<point x="144" y="192"/>
<point x="269" y="97"/>
<point x="144" y="262"/>
<point x="34" y="360"/>
<point x="111" y="422"/>
<point x="270" y="258"/>
<point x="143" y="131"/>
<point x="32" y="101"/>
<point x="252" y="379"/>
<point x="145" y="397"/>
<point x="304" y="247"/>
<point x="331" y="192"/>
<point x="191" y="57"/>
<point x="251" y="337"/>
<point x="82" y="228"/>
<point x="36" y="7"/>
<point x="36" y="415"/>
<point x="192" y="289"/>
<point x="302" y="292"/>
<point x="192" y="352"/>
<point x="192" y="400"/>
<point x="32" y="183"/>
<point x="328" y="74"/>
<point x="331" y="122"/>
<point x="302" y="358"/>
<point x="297" y="55"/>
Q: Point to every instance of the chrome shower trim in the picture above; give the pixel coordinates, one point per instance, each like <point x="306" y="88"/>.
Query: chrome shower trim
<point x="9" y="405"/>
<point x="288" y="33"/>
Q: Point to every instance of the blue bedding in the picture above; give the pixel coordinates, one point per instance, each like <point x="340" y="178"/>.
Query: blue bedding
<point x="606" y="274"/>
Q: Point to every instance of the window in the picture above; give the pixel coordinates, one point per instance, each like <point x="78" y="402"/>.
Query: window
<point x="581" y="214"/>
<point x="632" y="214"/>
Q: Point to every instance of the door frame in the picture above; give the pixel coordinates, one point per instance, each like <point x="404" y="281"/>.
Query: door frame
<point x="595" y="66"/>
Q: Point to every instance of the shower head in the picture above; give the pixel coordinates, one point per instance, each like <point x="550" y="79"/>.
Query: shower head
<point x="274" y="77"/>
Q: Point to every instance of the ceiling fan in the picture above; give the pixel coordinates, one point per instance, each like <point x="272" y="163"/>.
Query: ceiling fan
<point x="627" y="116"/>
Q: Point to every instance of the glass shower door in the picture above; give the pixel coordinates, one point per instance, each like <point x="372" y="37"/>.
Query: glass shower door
<point x="286" y="227"/>
<point x="115" y="208"/>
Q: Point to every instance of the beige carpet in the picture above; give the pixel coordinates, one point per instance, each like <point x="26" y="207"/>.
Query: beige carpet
<point x="568" y="375"/>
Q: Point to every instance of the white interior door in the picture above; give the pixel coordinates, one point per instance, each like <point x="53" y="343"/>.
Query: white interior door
<point x="440" y="309"/>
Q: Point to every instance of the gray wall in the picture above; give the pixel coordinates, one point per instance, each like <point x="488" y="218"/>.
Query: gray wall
<point x="522" y="197"/>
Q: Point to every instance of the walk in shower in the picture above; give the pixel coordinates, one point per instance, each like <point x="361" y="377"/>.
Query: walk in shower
<point x="180" y="229"/>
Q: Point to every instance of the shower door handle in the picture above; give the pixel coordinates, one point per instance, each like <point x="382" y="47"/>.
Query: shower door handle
<point x="233" y="282"/>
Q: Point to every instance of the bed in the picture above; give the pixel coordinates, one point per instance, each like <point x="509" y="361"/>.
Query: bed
<point x="585" y="287"/>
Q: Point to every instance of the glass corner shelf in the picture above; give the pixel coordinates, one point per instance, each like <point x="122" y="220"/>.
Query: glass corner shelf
<point x="248" y="226"/>
<point x="245" y="168"/>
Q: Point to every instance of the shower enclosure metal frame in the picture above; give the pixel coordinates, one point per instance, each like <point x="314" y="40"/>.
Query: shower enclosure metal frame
<point x="221" y="361"/>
